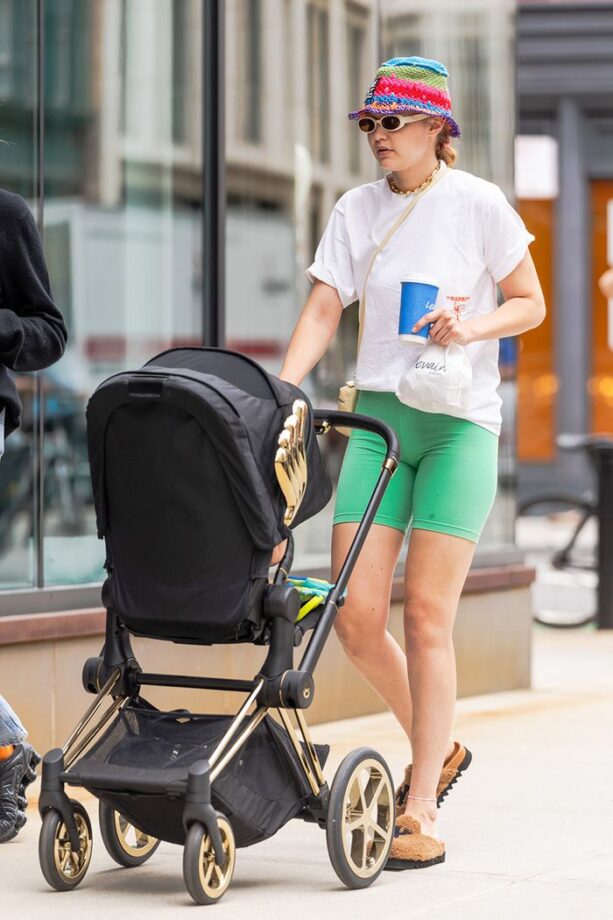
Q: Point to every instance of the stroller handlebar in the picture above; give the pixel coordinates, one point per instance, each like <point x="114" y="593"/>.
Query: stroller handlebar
<point x="337" y="419"/>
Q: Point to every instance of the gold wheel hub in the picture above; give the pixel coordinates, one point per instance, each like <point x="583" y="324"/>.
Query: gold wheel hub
<point x="213" y="878"/>
<point x="368" y="818"/>
<point x="70" y="864"/>
<point x="132" y="841"/>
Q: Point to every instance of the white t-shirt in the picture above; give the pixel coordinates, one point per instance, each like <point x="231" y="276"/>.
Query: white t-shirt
<point x="463" y="232"/>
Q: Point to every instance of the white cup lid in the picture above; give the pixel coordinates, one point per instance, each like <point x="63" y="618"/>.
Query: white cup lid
<point x="422" y="279"/>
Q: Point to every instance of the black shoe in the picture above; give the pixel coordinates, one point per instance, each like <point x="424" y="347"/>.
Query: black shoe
<point x="16" y="773"/>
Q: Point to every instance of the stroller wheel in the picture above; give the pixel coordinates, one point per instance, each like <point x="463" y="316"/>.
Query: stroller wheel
<point x="124" y="843"/>
<point x="361" y="814"/>
<point x="62" y="867"/>
<point x="204" y="879"/>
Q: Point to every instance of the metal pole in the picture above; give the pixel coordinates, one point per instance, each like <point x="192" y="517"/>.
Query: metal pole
<point x="572" y="292"/>
<point x="38" y="460"/>
<point x="604" y="617"/>
<point x="213" y="166"/>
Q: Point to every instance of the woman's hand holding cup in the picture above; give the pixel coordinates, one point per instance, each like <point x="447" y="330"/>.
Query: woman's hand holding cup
<point x="446" y="327"/>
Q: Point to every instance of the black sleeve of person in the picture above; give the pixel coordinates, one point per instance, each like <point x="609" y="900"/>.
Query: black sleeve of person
<point x="32" y="331"/>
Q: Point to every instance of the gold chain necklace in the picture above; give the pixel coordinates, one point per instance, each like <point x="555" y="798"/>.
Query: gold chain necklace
<point x="409" y="191"/>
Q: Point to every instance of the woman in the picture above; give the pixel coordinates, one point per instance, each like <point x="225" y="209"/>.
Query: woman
<point x="32" y="336"/>
<point x="462" y="231"/>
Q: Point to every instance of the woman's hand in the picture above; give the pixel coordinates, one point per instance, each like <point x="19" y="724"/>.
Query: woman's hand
<point x="278" y="552"/>
<point x="446" y="327"/>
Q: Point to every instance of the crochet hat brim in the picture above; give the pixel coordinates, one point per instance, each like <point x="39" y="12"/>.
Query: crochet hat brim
<point x="378" y="111"/>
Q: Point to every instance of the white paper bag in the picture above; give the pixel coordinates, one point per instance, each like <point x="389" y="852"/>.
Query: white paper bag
<point x="439" y="381"/>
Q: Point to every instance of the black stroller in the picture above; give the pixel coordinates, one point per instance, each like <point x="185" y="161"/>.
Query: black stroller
<point x="201" y="463"/>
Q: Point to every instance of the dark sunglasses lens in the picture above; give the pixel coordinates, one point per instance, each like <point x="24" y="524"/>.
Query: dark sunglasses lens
<point x="367" y="125"/>
<point x="390" y="123"/>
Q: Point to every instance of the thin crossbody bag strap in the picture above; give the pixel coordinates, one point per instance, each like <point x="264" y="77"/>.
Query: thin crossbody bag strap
<point x="382" y="245"/>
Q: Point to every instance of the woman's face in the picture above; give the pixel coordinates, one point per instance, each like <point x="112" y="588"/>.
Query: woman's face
<point x="403" y="149"/>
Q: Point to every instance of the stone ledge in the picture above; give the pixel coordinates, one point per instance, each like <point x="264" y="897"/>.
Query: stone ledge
<point x="71" y="624"/>
<point x="40" y="627"/>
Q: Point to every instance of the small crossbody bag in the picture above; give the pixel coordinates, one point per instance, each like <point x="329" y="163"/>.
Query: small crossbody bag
<point x="348" y="393"/>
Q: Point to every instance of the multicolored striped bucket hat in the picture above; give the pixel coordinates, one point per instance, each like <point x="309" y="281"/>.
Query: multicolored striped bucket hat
<point x="410" y="85"/>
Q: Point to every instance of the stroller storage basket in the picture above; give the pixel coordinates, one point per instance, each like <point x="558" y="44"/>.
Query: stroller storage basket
<point x="259" y="791"/>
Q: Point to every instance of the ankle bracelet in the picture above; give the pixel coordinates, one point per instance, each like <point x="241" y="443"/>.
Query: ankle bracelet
<point x="420" y="798"/>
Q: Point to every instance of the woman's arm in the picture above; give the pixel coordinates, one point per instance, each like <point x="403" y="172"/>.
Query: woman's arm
<point x="523" y="309"/>
<point x="313" y="333"/>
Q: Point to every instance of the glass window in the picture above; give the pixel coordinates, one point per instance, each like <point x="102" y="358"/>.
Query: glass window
<point x="357" y="79"/>
<point x="402" y="36"/>
<point x="251" y="68"/>
<point x="18" y="173"/>
<point x="279" y="199"/>
<point x="319" y="79"/>
<point x="6" y="45"/>
<point x="473" y="67"/>
<point x="123" y="208"/>
<point x="180" y="69"/>
<point x="61" y="64"/>
<point x="123" y="229"/>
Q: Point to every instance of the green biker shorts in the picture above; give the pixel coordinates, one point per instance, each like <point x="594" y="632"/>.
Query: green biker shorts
<point x="446" y="480"/>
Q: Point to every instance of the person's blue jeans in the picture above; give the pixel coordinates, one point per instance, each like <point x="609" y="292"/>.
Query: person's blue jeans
<point x="11" y="729"/>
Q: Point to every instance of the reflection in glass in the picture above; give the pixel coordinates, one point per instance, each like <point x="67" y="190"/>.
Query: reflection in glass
<point x="319" y="78"/>
<point x="357" y="79"/>
<point x="18" y="174"/>
<point x="123" y="226"/>
<point x="282" y="187"/>
<point x="123" y="189"/>
<point x="251" y="70"/>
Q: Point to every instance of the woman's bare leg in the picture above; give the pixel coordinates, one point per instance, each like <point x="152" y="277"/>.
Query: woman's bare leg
<point x="361" y="624"/>
<point x="436" y="569"/>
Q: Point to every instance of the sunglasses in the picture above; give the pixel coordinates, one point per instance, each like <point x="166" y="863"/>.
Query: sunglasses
<point x="388" y="122"/>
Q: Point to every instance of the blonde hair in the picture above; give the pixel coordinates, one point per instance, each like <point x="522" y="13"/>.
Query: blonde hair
<point x="444" y="150"/>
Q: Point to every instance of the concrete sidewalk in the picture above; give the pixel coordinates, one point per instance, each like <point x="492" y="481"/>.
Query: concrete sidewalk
<point x="529" y="828"/>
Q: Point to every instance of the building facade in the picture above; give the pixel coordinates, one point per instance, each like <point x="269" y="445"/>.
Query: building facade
<point x="109" y="113"/>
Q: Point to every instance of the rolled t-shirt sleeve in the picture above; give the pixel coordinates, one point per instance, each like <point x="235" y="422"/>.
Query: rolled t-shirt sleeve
<point x="333" y="263"/>
<point x="506" y="238"/>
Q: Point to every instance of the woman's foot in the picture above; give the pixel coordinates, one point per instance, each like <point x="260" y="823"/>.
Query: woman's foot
<point x="413" y="847"/>
<point x="425" y="813"/>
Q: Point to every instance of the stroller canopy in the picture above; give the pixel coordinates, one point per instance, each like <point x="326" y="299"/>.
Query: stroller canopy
<point x="186" y="497"/>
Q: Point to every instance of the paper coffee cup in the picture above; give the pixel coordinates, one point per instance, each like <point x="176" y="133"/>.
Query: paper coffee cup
<point x="418" y="296"/>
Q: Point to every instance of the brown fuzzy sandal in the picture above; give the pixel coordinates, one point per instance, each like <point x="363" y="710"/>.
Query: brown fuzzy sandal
<point x="457" y="762"/>
<point x="411" y="849"/>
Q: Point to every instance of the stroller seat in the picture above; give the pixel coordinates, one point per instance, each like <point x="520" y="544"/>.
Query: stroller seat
<point x="182" y="457"/>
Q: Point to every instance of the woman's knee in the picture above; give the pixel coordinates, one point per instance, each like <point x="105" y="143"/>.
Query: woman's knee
<point x="427" y="621"/>
<point x="359" y="634"/>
